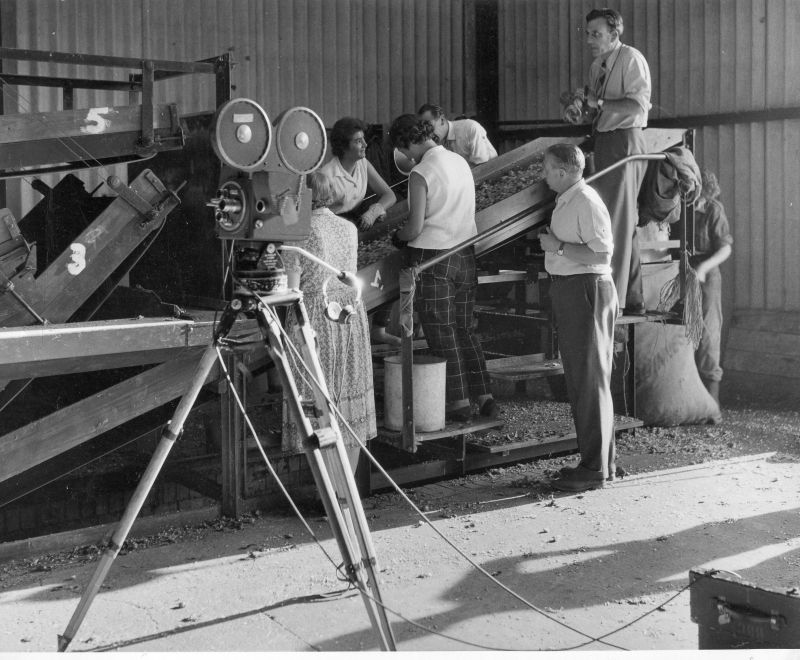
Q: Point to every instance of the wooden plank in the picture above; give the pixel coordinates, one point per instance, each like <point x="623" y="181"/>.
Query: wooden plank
<point x="762" y="363"/>
<point x="77" y="124"/>
<point x="788" y="322"/>
<point x="70" y="426"/>
<point x="763" y="342"/>
<point x="503" y="276"/>
<point x="92" y="257"/>
<point x="35" y="351"/>
<point x="451" y="429"/>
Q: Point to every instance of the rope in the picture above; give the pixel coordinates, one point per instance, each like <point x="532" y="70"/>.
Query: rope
<point x="692" y="312"/>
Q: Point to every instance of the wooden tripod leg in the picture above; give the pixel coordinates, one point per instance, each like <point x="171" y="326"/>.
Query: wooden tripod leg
<point x="168" y="438"/>
<point x="327" y="458"/>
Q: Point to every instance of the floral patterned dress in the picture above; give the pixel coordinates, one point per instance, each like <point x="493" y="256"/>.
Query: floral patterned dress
<point x="343" y="348"/>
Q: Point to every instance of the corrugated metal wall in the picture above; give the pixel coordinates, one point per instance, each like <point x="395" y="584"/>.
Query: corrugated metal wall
<point x="370" y="58"/>
<point x="377" y="58"/>
<point x="715" y="56"/>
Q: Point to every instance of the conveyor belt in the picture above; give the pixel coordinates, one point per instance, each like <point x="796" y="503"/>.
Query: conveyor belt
<point x="532" y="205"/>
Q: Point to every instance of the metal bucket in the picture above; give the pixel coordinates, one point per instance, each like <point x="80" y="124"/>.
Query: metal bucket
<point x="430" y="374"/>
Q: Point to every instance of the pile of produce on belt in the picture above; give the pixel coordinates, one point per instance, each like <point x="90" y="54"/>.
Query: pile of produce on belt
<point x="486" y="194"/>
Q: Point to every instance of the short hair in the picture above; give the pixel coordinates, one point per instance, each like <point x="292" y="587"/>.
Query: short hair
<point x="611" y="16"/>
<point x="322" y="190"/>
<point x="343" y="131"/>
<point x="569" y="156"/>
<point x="436" y="110"/>
<point x="710" y="185"/>
<point x="410" y="129"/>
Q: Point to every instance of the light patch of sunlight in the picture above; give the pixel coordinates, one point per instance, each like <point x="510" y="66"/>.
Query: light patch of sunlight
<point x="735" y="563"/>
<point x="542" y="564"/>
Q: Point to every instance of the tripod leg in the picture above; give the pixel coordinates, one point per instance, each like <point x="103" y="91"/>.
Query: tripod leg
<point x="332" y="472"/>
<point x="168" y="438"/>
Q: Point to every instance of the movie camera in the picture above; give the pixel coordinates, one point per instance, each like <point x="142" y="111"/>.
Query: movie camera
<point x="262" y="200"/>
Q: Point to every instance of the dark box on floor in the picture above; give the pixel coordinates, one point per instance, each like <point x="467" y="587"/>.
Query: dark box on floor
<point x="732" y="613"/>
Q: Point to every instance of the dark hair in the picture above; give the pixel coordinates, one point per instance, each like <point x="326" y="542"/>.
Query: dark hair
<point x="435" y="110"/>
<point x="410" y="129"/>
<point x="568" y="155"/>
<point x="611" y="16"/>
<point x="343" y="131"/>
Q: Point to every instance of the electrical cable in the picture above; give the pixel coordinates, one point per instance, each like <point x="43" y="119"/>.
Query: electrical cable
<point x="601" y="639"/>
<point x="372" y="459"/>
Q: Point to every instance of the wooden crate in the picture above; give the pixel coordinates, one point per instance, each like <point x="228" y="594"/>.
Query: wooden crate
<point x="732" y="613"/>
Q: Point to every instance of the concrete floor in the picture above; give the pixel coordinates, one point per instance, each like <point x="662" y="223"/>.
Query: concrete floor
<point x="610" y="564"/>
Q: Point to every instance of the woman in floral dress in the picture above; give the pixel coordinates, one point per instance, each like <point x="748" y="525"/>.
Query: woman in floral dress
<point x="344" y="348"/>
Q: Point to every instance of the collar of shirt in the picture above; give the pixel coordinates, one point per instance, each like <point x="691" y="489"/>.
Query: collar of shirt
<point x="451" y="132"/>
<point x="339" y="171"/>
<point x="609" y="58"/>
<point x="570" y="192"/>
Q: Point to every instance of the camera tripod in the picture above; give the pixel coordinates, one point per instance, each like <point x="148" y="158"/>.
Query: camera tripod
<point x="324" y="449"/>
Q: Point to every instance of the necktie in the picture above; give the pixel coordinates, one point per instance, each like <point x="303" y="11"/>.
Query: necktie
<point x="601" y="80"/>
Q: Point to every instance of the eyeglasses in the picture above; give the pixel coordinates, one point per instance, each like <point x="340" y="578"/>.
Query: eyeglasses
<point x="592" y="34"/>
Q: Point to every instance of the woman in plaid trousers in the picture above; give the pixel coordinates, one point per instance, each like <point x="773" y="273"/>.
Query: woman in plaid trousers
<point x="441" y="201"/>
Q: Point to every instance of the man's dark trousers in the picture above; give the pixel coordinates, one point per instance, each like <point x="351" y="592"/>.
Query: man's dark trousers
<point x="585" y="309"/>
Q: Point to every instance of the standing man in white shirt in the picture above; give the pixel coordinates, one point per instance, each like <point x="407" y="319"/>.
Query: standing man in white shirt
<point x="466" y="137"/>
<point x="578" y="249"/>
<point x="619" y="89"/>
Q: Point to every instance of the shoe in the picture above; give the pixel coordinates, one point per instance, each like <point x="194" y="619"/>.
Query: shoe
<point x="490" y="409"/>
<point x="459" y="414"/>
<point x="578" y="480"/>
<point x="614" y="471"/>
<point x="635" y="310"/>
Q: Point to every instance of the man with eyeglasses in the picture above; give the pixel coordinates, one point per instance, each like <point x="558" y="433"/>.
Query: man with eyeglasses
<point x="619" y="89"/>
<point x="466" y="137"/>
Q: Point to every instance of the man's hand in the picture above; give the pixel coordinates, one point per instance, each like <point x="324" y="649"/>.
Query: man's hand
<point x="549" y="242"/>
<point x="591" y="99"/>
<point x="371" y="215"/>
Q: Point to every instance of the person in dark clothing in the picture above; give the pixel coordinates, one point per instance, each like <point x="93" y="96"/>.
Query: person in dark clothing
<point x="712" y="246"/>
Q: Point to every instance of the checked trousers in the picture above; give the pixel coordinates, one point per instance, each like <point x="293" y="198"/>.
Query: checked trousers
<point x="444" y="301"/>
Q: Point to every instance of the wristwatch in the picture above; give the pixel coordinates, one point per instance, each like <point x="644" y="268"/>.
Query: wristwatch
<point x="560" y="251"/>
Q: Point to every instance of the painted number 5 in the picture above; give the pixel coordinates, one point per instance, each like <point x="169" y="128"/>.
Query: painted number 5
<point x="95" y="122"/>
<point x="77" y="259"/>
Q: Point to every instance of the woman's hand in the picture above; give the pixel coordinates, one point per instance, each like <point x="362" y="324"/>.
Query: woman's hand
<point x="371" y="215"/>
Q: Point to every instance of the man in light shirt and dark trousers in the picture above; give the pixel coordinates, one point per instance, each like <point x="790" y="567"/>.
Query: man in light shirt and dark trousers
<point x="578" y="250"/>
<point x="619" y="91"/>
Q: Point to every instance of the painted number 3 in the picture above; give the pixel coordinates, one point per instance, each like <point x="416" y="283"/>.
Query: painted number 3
<point x="77" y="260"/>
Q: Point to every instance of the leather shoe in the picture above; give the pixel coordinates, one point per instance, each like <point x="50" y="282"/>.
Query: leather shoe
<point x="459" y="414"/>
<point x="578" y="480"/>
<point x="490" y="409"/>
<point x="614" y="471"/>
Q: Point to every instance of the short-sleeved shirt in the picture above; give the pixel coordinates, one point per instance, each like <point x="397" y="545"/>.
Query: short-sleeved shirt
<point x="450" y="206"/>
<point x="349" y="189"/>
<point x="711" y="231"/>
<point x="580" y="216"/>
<point x="468" y="139"/>
<point x="627" y="76"/>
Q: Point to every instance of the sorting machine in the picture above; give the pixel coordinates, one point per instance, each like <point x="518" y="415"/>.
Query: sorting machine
<point x="519" y="213"/>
